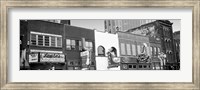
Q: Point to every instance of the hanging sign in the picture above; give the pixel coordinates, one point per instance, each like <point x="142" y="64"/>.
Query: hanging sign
<point x="33" y="57"/>
<point x="85" y="58"/>
<point x="112" y="60"/>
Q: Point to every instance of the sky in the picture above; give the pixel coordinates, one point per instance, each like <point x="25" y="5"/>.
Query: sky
<point x="98" y="24"/>
<point x="176" y="24"/>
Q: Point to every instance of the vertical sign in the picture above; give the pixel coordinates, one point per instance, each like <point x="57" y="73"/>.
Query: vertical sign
<point x="85" y="57"/>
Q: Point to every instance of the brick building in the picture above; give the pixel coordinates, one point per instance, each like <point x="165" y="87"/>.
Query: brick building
<point x="131" y="45"/>
<point x="57" y="45"/>
<point x="160" y="30"/>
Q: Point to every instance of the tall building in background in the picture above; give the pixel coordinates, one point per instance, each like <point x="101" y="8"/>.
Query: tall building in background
<point x="112" y="26"/>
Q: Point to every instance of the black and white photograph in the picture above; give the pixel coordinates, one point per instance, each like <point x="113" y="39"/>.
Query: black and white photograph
<point x="100" y="44"/>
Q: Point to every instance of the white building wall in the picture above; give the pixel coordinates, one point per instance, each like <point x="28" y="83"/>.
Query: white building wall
<point x="107" y="41"/>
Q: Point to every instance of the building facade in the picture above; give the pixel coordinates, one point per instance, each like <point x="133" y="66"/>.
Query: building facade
<point x="104" y="42"/>
<point x="78" y="40"/>
<point x="160" y="30"/>
<point x="55" y="46"/>
<point x="131" y="46"/>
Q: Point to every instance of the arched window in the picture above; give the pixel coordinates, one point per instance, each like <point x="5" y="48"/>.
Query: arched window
<point x="101" y="51"/>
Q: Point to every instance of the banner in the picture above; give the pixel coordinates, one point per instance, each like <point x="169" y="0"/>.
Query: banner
<point x="33" y="57"/>
<point x="52" y="57"/>
<point x="85" y="57"/>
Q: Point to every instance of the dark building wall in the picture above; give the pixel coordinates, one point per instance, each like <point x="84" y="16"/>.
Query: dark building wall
<point x="77" y="33"/>
<point x="23" y="34"/>
<point x="45" y="27"/>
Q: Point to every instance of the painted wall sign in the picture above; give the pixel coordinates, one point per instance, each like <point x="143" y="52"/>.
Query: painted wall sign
<point x="33" y="57"/>
<point x="52" y="57"/>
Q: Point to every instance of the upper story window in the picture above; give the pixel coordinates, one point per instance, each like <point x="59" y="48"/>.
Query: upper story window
<point x="122" y="47"/>
<point x="80" y="45"/>
<point x="59" y="41"/>
<point x="133" y="49"/>
<point x="44" y="39"/>
<point x="70" y="44"/>
<point x="101" y="51"/>
<point x="151" y="50"/>
<point x="128" y="49"/>
<point x="53" y="41"/>
<point x="40" y="40"/>
<point x="89" y="45"/>
<point x="73" y="44"/>
<point x="139" y="49"/>
<point x="33" y="39"/>
<point x="155" y="51"/>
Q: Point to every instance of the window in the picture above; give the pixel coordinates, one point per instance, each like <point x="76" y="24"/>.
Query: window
<point x="46" y="41"/>
<point x="53" y="41"/>
<point x="86" y="44"/>
<point x="73" y="44"/>
<point x="90" y="45"/>
<point x="123" y="49"/>
<point x="101" y="51"/>
<point x="33" y="39"/>
<point x="128" y="49"/>
<point x="138" y="49"/>
<point x="140" y="66"/>
<point x="151" y="50"/>
<point x="145" y="66"/>
<point x="130" y="66"/>
<point x="134" y="66"/>
<point x="40" y="40"/>
<point x="155" y="51"/>
<point x="70" y="63"/>
<point x="133" y="50"/>
<point x="59" y="41"/>
<point x="80" y="45"/>
<point x="68" y="44"/>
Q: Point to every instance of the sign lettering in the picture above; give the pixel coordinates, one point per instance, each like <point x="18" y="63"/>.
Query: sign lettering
<point x="52" y="57"/>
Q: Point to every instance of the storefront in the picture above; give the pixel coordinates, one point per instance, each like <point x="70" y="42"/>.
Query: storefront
<point x="46" y="60"/>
